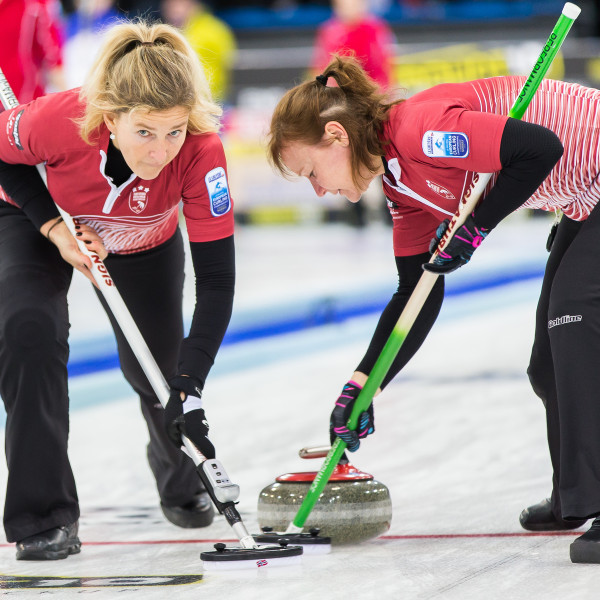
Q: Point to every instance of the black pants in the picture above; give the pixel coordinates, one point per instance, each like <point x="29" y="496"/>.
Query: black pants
<point x="565" y="365"/>
<point x="34" y="327"/>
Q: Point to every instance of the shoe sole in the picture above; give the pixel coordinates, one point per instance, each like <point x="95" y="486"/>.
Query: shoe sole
<point x="585" y="552"/>
<point x="552" y="526"/>
<point x="49" y="554"/>
<point x="549" y="525"/>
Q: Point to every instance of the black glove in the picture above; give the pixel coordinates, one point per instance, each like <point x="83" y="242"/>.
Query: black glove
<point x="341" y="414"/>
<point x="186" y="416"/>
<point x="460" y="248"/>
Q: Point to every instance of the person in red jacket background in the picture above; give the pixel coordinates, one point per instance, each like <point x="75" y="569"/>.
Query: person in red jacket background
<point x="354" y="31"/>
<point x="31" y="47"/>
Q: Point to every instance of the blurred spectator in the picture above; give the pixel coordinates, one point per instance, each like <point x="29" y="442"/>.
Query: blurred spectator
<point x="210" y="37"/>
<point x="92" y="15"/>
<point x="354" y="31"/>
<point x="31" y="46"/>
<point x="84" y="30"/>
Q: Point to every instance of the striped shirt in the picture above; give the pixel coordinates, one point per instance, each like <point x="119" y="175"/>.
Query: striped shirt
<point x="573" y="113"/>
<point x="436" y="141"/>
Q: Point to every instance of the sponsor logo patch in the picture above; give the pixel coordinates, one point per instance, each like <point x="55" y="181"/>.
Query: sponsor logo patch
<point x="440" y="190"/>
<point x="564" y="320"/>
<point x="138" y="199"/>
<point x="447" y="144"/>
<point x="218" y="191"/>
<point x="14" y="124"/>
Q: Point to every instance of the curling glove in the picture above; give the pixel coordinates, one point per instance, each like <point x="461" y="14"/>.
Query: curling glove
<point x="186" y="417"/>
<point x="460" y="248"/>
<point x="341" y="413"/>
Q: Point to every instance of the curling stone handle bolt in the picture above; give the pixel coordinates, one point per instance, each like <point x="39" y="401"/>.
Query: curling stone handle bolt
<point x="314" y="452"/>
<point x="266" y="529"/>
<point x="314" y="531"/>
<point x="220" y="547"/>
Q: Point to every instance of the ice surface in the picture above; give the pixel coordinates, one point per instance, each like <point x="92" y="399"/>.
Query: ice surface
<point x="460" y="441"/>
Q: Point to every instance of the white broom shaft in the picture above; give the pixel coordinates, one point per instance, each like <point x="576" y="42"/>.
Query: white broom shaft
<point x="119" y="309"/>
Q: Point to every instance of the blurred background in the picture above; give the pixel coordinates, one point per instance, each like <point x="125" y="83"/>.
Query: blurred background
<point x="298" y="255"/>
<point x="254" y="50"/>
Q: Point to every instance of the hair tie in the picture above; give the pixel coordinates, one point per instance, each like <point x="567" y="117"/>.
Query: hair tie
<point x="322" y="79"/>
<point x="131" y="46"/>
<point x="59" y="220"/>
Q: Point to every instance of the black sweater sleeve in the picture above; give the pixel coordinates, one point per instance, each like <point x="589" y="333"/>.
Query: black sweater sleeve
<point x="409" y="272"/>
<point x="214" y="267"/>
<point x="528" y="152"/>
<point x="25" y="186"/>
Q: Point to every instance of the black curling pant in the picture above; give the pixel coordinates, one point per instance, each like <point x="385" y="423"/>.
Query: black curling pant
<point x="34" y="327"/>
<point x="565" y="370"/>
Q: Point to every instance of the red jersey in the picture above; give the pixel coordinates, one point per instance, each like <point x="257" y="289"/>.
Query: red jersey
<point x="442" y="136"/>
<point x="139" y="214"/>
<point x="31" y="40"/>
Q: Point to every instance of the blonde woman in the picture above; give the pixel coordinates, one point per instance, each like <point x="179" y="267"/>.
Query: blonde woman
<point x="120" y="154"/>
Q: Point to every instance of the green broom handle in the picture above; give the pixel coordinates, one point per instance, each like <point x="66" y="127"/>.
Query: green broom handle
<point x="420" y="294"/>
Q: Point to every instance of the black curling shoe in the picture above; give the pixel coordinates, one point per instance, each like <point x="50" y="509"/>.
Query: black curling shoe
<point x="53" y="544"/>
<point x="586" y="548"/>
<point x="540" y="517"/>
<point x="197" y="513"/>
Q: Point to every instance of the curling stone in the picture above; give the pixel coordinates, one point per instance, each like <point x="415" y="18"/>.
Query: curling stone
<point x="353" y="507"/>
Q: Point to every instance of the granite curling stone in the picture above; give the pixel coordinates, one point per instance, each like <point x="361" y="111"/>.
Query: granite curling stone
<point x="353" y="507"/>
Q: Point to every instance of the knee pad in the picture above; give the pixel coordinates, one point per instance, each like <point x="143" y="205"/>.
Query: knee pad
<point x="31" y="333"/>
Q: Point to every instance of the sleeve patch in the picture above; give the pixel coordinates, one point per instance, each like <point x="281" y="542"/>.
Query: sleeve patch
<point x="218" y="191"/>
<point x="13" y="124"/>
<point x="445" y="144"/>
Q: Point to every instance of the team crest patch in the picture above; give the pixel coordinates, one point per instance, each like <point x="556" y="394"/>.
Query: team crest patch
<point x="138" y="199"/>
<point x="218" y="191"/>
<point x="447" y="144"/>
<point x="440" y="190"/>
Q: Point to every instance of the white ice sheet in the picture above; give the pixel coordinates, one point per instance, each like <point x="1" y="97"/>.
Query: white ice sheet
<point x="460" y="443"/>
